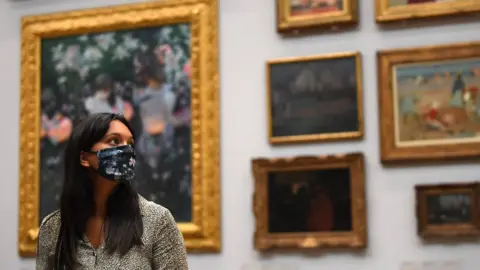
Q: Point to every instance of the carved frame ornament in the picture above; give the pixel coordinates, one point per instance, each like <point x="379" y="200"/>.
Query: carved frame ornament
<point x="203" y="233"/>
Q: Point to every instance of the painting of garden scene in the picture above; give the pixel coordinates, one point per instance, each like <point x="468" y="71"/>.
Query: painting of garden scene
<point x="437" y="102"/>
<point x="143" y="74"/>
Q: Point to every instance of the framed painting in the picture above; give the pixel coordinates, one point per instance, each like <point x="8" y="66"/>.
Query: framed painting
<point x="429" y="103"/>
<point x="448" y="211"/>
<point x="315" y="98"/>
<point x="310" y="202"/>
<point x="396" y="10"/>
<point x="128" y="59"/>
<point x="296" y="15"/>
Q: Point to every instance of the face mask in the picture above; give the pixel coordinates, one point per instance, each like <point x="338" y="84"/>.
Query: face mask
<point x="117" y="163"/>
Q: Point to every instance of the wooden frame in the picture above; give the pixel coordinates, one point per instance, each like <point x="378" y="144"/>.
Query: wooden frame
<point x="350" y="135"/>
<point x="203" y="233"/>
<point x="447" y="231"/>
<point x="391" y="152"/>
<point x="385" y="13"/>
<point x="286" y="22"/>
<point x="355" y="239"/>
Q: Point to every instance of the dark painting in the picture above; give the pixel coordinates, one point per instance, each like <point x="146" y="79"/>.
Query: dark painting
<point x="309" y="201"/>
<point x="143" y="74"/>
<point x="314" y="97"/>
<point x="451" y="208"/>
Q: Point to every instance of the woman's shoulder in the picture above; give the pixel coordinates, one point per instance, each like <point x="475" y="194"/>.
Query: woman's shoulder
<point x="52" y="220"/>
<point x="49" y="229"/>
<point x="151" y="209"/>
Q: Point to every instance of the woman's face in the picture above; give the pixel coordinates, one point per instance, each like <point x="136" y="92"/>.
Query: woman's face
<point x="118" y="134"/>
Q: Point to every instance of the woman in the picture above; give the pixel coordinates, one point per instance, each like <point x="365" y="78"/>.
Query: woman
<point x="102" y="222"/>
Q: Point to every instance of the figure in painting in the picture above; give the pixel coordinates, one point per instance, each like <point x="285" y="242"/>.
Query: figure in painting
<point x="442" y="105"/>
<point x="310" y="201"/>
<point x="105" y="100"/>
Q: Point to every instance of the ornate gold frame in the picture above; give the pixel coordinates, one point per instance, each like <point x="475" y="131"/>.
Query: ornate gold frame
<point x="356" y="239"/>
<point x="386" y="60"/>
<point x="288" y="23"/>
<point x="384" y="13"/>
<point x="432" y="232"/>
<point x="352" y="135"/>
<point x="203" y="233"/>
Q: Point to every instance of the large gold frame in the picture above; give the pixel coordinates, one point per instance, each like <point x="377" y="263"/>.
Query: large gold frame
<point x="288" y="23"/>
<point x="354" y="239"/>
<point x="385" y="13"/>
<point x="350" y="135"/>
<point x="391" y="153"/>
<point x="203" y="233"/>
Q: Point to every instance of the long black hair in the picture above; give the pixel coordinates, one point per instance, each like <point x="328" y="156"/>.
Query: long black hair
<point x="77" y="205"/>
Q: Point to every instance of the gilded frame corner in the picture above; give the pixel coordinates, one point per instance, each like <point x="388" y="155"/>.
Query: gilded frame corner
<point x="430" y="232"/>
<point x="391" y="153"/>
<point x="203" y="233"/>
<point x="338" y="136"/>
<point x="288" y="23"/>
<point x="385" y="14"/>
<point x="354" y="240"/>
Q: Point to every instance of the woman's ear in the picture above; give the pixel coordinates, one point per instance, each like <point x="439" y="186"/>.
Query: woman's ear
<point x="84" y="160"/>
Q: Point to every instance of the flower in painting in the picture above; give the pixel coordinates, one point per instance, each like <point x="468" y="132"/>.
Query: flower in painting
<point x="71" y="57"/>
<point x="120" y="53"/>
<point x="130" y="43"/>
<point x="57" y="52"/>
<point x="187" y="69"/>
<point x="162" y="51"/>
<point x="105" y="40"/>
<point x="92" y="54"/>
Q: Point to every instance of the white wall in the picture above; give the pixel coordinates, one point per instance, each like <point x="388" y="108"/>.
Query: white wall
<point x="247" y="40"/>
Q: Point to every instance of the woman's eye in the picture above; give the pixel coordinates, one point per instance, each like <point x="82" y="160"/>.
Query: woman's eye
<point x="114" y="141"/>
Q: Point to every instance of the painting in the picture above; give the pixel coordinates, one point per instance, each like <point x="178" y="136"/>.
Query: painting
<point x="145" y="69"/>
<point x="429" y="103"/>
<point x="311" y="7"/>
<point x="315" y="98"/>
<point x="310" y="202"/>
<point x="297" y="15"/>
<point x="401" y="10"/>
<point x="448" y="210"/>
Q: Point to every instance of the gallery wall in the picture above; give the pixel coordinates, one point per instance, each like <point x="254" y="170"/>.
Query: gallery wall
<point x="247" y="39"/>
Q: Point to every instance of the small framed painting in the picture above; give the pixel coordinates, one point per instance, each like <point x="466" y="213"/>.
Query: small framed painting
<point x="448" y="210"/>
<point x="315" y="98"/>
<point x="310" y="202"/>
<point x="429" y="103"/>
<point x="295" y="15"/>
<point x="395" y="10"/>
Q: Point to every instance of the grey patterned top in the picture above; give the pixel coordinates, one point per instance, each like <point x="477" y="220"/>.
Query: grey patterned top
<point x="163" y="247"/>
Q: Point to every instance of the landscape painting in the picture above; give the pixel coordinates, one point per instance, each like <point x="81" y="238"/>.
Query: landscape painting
<point x="450" y="208"/>
<point x="143" y="74"/>
<point x="315" y="98"/>
<point x="437" y="102"/>
<point x="315" y="7"/>
<point x="310" y="201"/>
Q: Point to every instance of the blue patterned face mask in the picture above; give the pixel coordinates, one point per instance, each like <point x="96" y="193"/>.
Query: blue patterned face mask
<point x="117" y="163"/>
